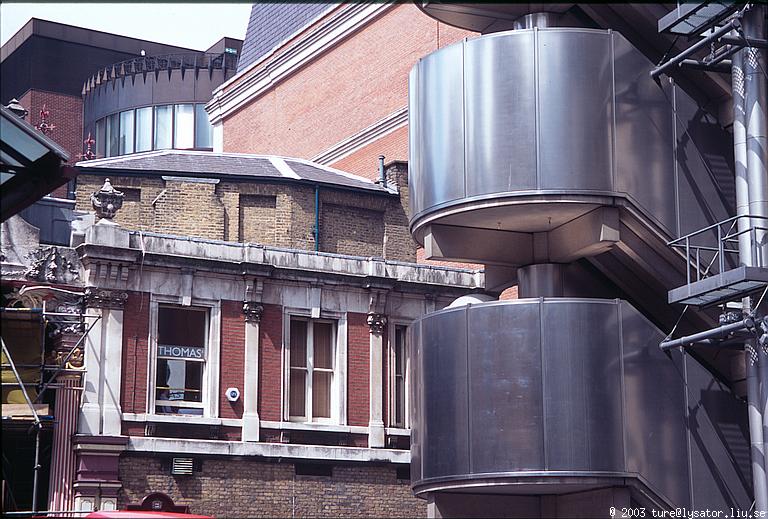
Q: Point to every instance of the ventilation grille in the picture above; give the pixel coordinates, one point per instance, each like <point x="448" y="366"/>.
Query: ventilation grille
<point x="182" y="466"/>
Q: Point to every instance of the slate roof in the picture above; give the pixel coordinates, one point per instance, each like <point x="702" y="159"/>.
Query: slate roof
<point x="272" y="23"/>
<point x="231" y="165"/>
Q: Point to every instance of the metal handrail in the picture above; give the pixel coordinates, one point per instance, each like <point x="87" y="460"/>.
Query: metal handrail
<point x="705" y="229"/>
<point x="693" y="252"/>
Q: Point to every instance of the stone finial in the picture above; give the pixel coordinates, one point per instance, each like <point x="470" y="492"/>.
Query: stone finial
<point x="376" y="322"/>
<point x="16" y="107"/>
<point x="107" y="200"/>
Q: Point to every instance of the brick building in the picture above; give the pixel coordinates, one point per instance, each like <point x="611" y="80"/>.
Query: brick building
<point x="52" y="65"/>
<point x="286" y="280"/>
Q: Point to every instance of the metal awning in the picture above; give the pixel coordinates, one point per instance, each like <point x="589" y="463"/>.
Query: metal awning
<point x="30" y="164"/>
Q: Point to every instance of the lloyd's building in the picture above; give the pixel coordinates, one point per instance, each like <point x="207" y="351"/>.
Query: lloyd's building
<point x="631" y="373"/>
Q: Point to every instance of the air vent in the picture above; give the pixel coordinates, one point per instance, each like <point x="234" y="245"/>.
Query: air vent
<point x="314" y="469"/>
<point x="182" y="466"/>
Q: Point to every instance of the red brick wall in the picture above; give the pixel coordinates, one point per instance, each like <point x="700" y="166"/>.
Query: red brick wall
<point x="66" y="113"/>
<point x="232" y="357"/>
<point x="270" y="371"/>
<point x="135" y="349"/>
<point x="353" y="85"/>
<point x="365" y="161"/>
<point x="358" y="369"/>
<point x="250" y="488"/>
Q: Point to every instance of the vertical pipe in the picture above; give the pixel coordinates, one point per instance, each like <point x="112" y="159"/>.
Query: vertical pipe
<point x="317" y="218"/>
<point x="755" y="106"/>
<point x="382" y="174"/>
<point x="754" y="120"/>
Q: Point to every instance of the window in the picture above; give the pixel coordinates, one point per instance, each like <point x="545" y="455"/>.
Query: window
<point x="126" y="132"/>
<point x="399" y="374"/>
<point x="100" y="139"/>
<point x="203" y="128"/>
<point x="181" y="360"/>
<point x="144" y="129"/>
<point x="312" y="384"/>
<point x="113" y="136"/>
<point x="184" y="127"/>
<point x="163" y="126"/>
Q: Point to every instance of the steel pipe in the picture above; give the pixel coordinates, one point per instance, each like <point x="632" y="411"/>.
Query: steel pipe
<point x="725" y="29"/>
<point x="755" y="106"/>
<point x="743" y="41"/>
<point x="745" y="324"/>
<point x="723" y="67"/>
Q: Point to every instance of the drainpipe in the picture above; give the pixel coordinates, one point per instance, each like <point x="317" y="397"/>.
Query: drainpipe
<point x="382" y="174"/>
<point x="755" y="106"/>
<point x="744" y="97"/>
<point x="317" y="218"/>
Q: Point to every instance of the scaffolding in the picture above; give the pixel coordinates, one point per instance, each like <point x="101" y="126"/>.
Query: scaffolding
<point x="35" y="388"/>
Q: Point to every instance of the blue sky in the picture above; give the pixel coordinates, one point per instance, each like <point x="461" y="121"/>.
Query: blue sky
<point x="194" y="25"/>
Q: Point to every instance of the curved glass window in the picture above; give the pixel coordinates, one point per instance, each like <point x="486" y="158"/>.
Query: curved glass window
<point x="184" y="127"/>
<point x="101" y="149"/>
<point x="163" y="126"/>
<point x="181" y="126"/>
<point x="126" y="132"/>
<point x="203" y="128"/>
<point x="144" y="129"/>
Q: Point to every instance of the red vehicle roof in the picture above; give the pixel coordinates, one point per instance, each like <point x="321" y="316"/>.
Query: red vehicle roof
<point x="142" y="514"/>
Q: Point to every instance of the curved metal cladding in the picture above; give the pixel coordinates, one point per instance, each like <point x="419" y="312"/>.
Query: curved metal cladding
<point x="560" y="114"/>
<point x="568" y="393"/>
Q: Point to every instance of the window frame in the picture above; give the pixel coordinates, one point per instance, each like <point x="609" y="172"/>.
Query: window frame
<point x="338" y="411"/>
<point x="209" y="401"/>
<point x="394" y="324"/>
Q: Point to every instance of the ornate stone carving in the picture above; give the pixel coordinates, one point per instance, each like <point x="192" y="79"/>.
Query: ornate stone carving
<point x="50" y="265"/>
<point x="252" y="311"/>
<point x="107" y="200"/>
<point x="376" y="322"/>
<point x="75" y="360"/>
<point x="102" y="298"/>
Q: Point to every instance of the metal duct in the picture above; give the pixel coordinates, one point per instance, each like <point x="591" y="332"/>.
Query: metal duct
<point x="540" y="20"/>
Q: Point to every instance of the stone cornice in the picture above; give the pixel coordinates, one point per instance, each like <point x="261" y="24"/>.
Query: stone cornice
<point x="273" y="68"/>
<point x="170" y="253"/>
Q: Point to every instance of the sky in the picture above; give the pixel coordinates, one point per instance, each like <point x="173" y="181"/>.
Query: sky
<point x="193" y="25"/>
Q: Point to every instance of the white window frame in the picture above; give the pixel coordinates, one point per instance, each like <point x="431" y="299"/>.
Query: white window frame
<point x="210" y="396"/>
<point x="391" y="393"/>
<point x="338" y="323"/>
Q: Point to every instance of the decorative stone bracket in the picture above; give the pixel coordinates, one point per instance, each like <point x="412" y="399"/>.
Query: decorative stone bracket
<point x="377" y="322"/>
<point x="377" y="319"/>
<point x="102" y="298"/>
<point x="252" y="311"/>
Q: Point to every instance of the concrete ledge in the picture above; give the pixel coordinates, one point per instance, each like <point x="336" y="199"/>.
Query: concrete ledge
<point x="267" y="450"/>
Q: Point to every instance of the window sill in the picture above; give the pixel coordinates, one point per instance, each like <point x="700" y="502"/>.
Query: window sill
<point x="193" y="419"/>
<point x="309" y="426"/>
<point x="397" y="431"/>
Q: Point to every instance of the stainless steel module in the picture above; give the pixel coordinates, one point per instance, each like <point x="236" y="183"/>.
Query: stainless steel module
<point x="528" y="129"/>
<point x="565" y="394"/>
